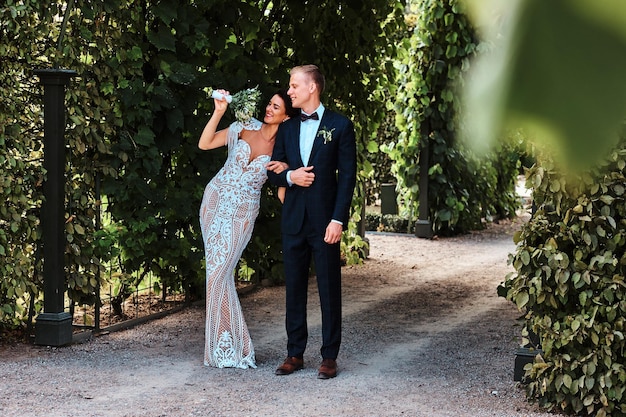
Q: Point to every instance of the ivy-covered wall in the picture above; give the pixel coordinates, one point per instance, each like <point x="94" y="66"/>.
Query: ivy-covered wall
<point x="134" y="114"/>
<point x="464" y="189"/>
<point x="138" y="105"/>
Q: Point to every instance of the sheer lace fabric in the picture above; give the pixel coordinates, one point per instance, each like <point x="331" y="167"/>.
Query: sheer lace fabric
<point x="229" y="209"/>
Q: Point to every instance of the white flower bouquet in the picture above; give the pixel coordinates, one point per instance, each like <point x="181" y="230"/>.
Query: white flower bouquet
<point x="243" y="103"/>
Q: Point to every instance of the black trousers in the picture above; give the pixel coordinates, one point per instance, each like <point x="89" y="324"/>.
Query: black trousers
<point x="298" y="250"/>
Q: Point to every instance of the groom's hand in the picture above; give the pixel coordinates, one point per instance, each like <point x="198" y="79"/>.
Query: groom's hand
<point x="333" y="233"/>
<point x="303" y="176"/>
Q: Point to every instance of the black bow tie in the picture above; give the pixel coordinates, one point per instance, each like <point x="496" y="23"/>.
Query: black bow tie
<point x="313" y="116"/>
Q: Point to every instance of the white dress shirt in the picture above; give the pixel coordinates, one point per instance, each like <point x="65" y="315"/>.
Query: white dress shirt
<point x="308" y="131"/>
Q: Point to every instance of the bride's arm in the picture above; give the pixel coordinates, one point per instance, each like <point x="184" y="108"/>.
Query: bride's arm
<point x="210" y="139"/>
<point x="278" y="167"/>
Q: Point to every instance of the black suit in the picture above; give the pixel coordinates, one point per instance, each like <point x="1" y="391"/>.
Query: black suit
<point x="306" y="213"/>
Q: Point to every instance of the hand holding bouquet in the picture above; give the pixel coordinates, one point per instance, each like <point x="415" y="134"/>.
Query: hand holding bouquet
<point x="243" y="103"/>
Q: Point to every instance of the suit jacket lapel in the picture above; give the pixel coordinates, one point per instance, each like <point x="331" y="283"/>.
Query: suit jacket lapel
<point x="319" y="140"/>
<point x="294" y="147"/>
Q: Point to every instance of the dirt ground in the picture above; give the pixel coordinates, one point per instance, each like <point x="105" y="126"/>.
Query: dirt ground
<point x="425" y="334"/>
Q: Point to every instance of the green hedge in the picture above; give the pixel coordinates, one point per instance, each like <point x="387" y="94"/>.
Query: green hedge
<point x="464" y="188"/>
<point x="570" y="265"/>
<point x="134" y="113"/>
<point x="376" y="222"/>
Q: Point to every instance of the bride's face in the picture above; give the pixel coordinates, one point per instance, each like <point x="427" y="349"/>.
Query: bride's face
<point x="275" y="112"/>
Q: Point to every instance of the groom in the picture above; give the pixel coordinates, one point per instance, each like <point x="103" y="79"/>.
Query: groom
<point x="320" y="149"/>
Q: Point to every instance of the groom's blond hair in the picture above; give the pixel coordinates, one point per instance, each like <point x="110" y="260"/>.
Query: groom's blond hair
<point x="314" y="73"/>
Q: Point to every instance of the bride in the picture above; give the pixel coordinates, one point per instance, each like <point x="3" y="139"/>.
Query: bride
<point x="229" y="208"/>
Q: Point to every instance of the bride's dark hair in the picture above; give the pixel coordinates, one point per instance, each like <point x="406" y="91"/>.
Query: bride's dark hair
<point x="289" y="109"/>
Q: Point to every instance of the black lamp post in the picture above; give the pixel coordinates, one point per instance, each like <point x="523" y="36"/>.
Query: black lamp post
<point x="423" y="227"/>
<point x="53" y="327"/>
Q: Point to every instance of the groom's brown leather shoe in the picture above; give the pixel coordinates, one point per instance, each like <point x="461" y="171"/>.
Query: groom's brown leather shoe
<point x="290" y="365"/>
<point x="328" y="369"/>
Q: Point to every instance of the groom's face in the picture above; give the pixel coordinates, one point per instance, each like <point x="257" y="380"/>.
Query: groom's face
<point x="301" y="88"/>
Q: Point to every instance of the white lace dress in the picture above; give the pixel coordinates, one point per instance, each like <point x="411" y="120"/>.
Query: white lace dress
<point x="229" y="209"/>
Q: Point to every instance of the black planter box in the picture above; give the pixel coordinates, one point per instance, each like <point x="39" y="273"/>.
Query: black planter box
<point x="523" y="356"/>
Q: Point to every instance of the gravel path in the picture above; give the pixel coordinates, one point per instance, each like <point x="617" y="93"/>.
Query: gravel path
<point x="424" y="335"/>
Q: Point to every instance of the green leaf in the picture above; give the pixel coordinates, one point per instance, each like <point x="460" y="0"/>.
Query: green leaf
<point x="525" y="257"/>
<point x="521" y="299"/>
<point x="163" y="39"/>
<point x="448" y="19"/>
<point x="372" y="146"/>
<point x="135" y="53"/>
<point x="591" y="369"/>
<point x="567" y="381"/>
<point x="451" y="51"/>
<point x="611" y="221"/>
<point x="607" y="199"/>
<point x="566" y="96"/>
<point x="183" y="74"/>
<point x="79" y="229"/>
<point x="595" y="338"/>
<point x="145" y="136"/>
<point x="445" y="215"/>
<point x="164" y="11"/>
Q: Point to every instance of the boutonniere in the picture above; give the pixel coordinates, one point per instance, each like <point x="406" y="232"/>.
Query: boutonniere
<point x="326" y="134"/>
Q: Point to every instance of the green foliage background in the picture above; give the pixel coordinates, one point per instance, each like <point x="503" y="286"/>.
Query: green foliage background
<point x="134" y="175"/>
<point x="464" y="189"/>
<point x="138" y="105"/>
<point x="135" y="112"/>
<point x="569" y="280"/>
<point x="571" y="107"/>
